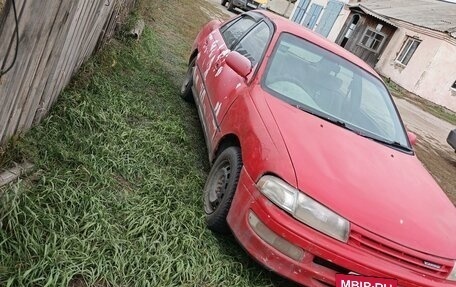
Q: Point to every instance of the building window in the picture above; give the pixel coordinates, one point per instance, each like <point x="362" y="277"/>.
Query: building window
<point x="408" y="50"/>
<point x="372" y="40"/>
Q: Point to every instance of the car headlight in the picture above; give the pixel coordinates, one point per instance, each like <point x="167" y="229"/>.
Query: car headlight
<point x="304" y="208"/>
<point x="452" y="276"/>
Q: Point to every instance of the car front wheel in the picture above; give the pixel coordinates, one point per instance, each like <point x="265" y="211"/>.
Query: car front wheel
<point x="220" y="187"/>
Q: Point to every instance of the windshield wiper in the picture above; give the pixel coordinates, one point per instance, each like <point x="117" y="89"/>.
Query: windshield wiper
<point x="393" y="144"/>
<point x="324" y="117"/>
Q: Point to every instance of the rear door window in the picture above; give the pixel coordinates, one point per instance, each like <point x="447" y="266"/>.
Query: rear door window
<point x="254" y="43"/>
<point x="234" y="31"/>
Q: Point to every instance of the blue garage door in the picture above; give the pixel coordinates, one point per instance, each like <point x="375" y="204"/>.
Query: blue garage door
<point x="330" y="15"/>
<point x="312" y="16"/>
<point x="300" y="11"/>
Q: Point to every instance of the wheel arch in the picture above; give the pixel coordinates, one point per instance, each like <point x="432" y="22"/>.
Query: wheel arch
<point x="193" y="56"/>
<point x="225" y="142"/>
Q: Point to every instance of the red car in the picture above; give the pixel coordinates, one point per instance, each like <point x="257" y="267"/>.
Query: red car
<point x="312" y="168"/>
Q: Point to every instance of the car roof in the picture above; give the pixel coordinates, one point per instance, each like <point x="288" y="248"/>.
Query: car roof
<point x="284" y="25"/>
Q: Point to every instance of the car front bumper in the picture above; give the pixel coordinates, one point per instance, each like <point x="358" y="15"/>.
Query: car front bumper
<point x="323" y="256"/>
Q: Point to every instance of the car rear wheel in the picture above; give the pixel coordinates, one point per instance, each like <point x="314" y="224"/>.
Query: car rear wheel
<point x="186" y="88"/>
<point x="220" y="187"/>
<point x="451" y="139"/>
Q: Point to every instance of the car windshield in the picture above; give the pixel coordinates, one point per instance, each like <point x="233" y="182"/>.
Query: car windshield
<point x="326" y="85"/>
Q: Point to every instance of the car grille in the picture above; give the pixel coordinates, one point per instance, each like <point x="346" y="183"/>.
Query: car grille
<point x="423" y="263"/>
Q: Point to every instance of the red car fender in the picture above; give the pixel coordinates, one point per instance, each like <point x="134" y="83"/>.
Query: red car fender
<point x="263" y="149"/>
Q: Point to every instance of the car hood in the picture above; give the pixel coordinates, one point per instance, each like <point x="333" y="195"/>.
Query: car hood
<point x="378" y="188"/>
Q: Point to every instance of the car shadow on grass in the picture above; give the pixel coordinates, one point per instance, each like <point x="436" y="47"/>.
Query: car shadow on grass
<point x="230" y="247"/>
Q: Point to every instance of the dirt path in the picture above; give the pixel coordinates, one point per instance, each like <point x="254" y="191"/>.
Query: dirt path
<point x="432" y="149"/>
<point x="221" y="12"/>
<point x="430" y="128"/>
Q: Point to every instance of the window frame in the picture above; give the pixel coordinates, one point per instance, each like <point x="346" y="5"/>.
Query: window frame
<point x="256" y="17"/>
<point x="369" y="29"/>
<point x="228" y="25"/>
<point x="259" y="18"/>
<point x="268" y="41"/>
<point x="404" y="46"/>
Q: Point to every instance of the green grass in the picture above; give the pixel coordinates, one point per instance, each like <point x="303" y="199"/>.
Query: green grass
<point x="120" y="162"/>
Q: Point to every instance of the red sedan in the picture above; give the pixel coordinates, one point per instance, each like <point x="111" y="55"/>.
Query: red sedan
<point x="312" y="169"/>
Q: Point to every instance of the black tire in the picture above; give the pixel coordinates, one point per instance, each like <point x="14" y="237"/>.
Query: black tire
<point x="231" y="6"/>
<point x="220" y="187"/>
<point x="224" y="2"/>
<point x="186" y="88"/>
<point x="451" y="139"/>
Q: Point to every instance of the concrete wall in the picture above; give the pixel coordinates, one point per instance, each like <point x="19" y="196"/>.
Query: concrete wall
<point x="281" y="7"/>
<point x="429" y="73"/>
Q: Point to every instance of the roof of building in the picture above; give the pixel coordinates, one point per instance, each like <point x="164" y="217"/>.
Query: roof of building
<point x="432" y="14"/>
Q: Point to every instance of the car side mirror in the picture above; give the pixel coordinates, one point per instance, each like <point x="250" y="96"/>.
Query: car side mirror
<point x="239" y="63"/>
<point x="412" y="138"/>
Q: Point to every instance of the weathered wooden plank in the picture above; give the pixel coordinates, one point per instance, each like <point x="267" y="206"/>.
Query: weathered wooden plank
<point x="56" y="37"/>
<point x="11" y="80"/>
<point x="7" y="32"/>
<point x="28" y="56"/>
<point x="47" y="64"/>
<point x="56" y="82"/>
<point x="14" y="173"/>
<point x="103" y="12"/>
<point x="7" y="28"/>
<point x="27" y="102"/>
<point x="70" y="63"/>
<point x="57" y="57"/>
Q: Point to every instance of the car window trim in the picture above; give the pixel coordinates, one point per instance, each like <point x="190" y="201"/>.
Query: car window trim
<point x="256" y="17"/>
<point x="224" y="29"/>
<point x="272" y="30"/>
<point x="268" y="43"/>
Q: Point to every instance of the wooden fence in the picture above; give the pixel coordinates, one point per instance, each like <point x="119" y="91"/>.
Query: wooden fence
<point x="55" y="38"/>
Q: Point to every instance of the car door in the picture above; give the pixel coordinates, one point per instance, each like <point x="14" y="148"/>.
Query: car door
<point x="212" y="53"/>
<point x="223" y="84"/>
